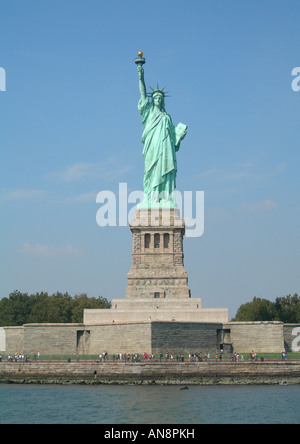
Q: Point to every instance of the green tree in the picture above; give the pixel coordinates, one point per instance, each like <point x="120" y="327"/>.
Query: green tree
<point x="288" y="309"/>
<point x="285" y="309"/>
<point x="60" y="308"/>
<point x="20" y="308"/>
<point x="257" y="310"/>
<point x="40" y="308"/>
<point x="15" y="309"/>
<point x="82" y="301"/>
<point x="6" y="314"/>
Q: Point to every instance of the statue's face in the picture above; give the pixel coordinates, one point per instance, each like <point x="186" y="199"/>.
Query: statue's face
<point x="158" y="100"/>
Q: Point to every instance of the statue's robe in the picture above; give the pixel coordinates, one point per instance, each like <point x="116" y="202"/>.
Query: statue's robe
<point x="159" y="138"/>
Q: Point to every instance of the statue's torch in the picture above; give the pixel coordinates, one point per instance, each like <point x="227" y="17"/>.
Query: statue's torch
<point x="140" y="60"/>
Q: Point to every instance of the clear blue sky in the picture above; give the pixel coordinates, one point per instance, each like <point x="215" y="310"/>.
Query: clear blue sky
<point x="70" y="128"/>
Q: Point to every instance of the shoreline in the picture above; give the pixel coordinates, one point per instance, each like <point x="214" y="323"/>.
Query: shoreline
<point x="177" y="374"/>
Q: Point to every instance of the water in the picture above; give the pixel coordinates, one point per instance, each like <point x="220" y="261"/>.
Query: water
<point x="46" y="404"/>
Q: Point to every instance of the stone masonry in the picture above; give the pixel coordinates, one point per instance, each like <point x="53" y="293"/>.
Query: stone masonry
<point x="157" y="256"/>
<point x="157" y="281"/>
<point x="150" y="337"/>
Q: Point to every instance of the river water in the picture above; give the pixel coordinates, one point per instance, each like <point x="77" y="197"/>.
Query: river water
<point x="53" y="404"/>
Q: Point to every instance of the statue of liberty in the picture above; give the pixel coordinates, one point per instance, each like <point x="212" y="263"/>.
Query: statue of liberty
<point x="161" y="141"/>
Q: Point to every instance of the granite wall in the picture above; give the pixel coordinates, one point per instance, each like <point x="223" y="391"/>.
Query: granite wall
<point x="149" y="337"/>
<point x="186" y="337"/>
<point x="260" y="337"/>
<point x="150" y="373"/>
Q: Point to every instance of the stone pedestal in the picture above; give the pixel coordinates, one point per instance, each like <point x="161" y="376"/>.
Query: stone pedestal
<point x="157" y="270"/>
<point x="157" y="281"/>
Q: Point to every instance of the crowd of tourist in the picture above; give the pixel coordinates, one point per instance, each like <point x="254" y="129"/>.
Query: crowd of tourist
<point x="167" y="357"/>
<point x="18" y="357"/>
<point x="179" y="357"/>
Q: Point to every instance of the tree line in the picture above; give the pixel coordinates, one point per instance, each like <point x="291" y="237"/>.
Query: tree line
<point x="285" y="309"/>
<point x="21" y="308"/>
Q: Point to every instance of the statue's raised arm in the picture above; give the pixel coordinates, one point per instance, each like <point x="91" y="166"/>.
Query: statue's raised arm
<point x="140" y="61"/>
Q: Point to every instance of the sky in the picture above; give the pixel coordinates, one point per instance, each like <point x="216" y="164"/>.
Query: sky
<point x="70" y="128"/>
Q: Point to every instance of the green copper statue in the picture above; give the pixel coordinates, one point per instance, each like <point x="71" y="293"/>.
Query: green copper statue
<point x="162" y="140"/>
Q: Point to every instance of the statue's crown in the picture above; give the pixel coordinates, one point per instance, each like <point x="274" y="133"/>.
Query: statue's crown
<point x="159" y="91"/>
